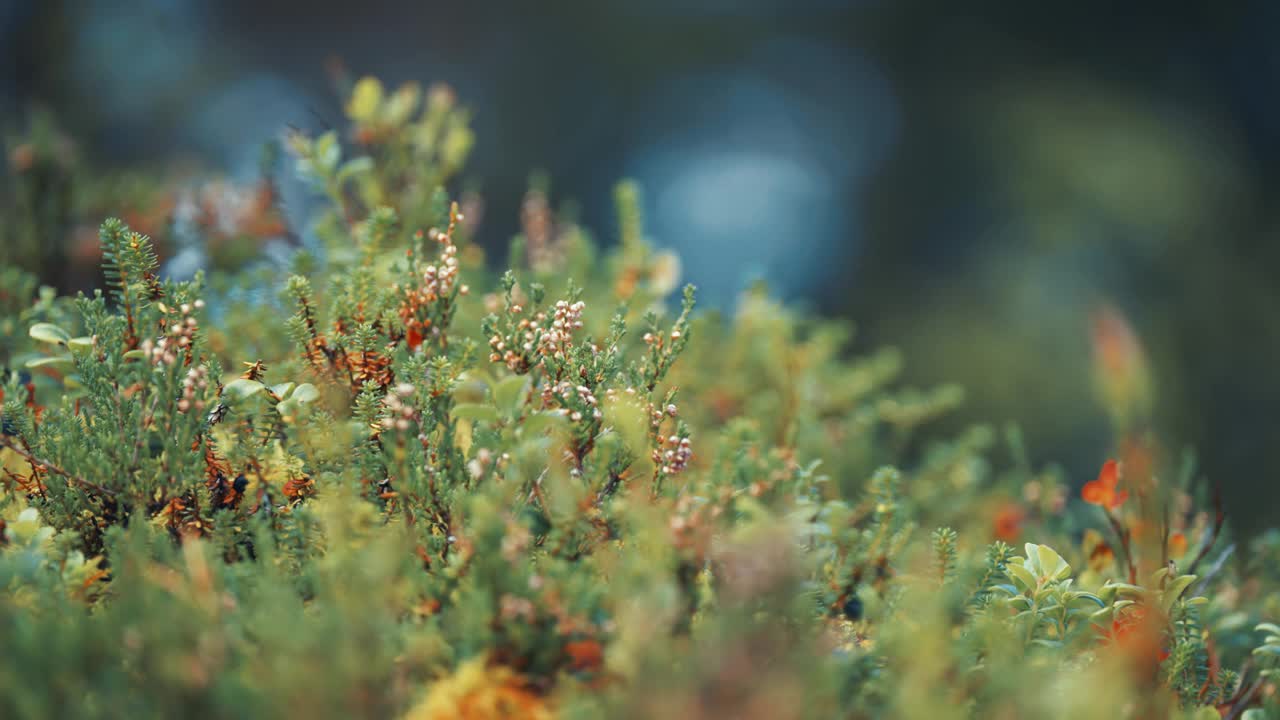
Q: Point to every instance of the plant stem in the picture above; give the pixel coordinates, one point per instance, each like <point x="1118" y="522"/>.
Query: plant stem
<point x="37" y="463"/>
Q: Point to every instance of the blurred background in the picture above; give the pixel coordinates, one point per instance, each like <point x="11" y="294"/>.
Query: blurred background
<point x="970" y="182"/>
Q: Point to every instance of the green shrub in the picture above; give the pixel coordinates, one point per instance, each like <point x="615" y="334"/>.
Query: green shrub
<point x="394" y="483"/>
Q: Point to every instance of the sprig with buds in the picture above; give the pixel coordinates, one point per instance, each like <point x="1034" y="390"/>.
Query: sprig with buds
<point x="428" y="301"/>
<point x="671" y="451"/>
<point x="527" y="338"/>
<point x="179" y="327"/>
<point x="663" y="347"/>
<point x="401" y="414"/>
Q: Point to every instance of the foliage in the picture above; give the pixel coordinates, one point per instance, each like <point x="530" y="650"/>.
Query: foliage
<point x="53" y="200"/>
<point x="408" y="486"/>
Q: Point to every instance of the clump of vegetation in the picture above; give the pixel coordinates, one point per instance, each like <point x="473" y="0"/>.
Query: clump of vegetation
<point x="396" y="483"/>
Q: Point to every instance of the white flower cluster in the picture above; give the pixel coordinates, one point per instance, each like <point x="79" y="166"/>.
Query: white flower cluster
<point x="401" y="412"/>
<point x="649" y="338"/>
<point x="566" y="389"/>
<point x="439" y="279"/>
<point x="677" y="455"/>
<point x="197" y="379"/>
<point x="179" y="336"/>
<point x="557" y="338"/>
<point x="536" y="334"/>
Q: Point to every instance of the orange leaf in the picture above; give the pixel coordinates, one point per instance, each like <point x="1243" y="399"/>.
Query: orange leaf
<point x="1103" y="490"/>
<point x="585" y="654"/>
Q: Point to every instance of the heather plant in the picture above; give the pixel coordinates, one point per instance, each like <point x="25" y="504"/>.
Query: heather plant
<point x="396" y="482"/>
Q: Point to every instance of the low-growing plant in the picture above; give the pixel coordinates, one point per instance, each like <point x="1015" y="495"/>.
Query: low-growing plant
<point x="397" y="483"/>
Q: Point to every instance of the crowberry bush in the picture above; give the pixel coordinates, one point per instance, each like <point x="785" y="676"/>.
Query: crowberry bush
<point x="392" y="482"/>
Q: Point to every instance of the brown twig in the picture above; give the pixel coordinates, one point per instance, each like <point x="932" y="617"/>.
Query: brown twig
<point x="38" y="464"/>
<point x="615" y="481"/>
<point x="1164" y="534"/>
<point x="1123" y="536"/>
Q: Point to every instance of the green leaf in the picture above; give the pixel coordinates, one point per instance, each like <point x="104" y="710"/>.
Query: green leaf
<point x="59" y="361"/>
<point x="1022" y="576"/>
<point x="327" y="152"/>
<point x="539" y="422"/>
<point x="1175" y="588"/>
<point x="1090" y="597"/>
<point x="353" y="167"/>
<point x="366" y="96"/>
<point x="401" y="104"/>
<point x="281" y="390"/>
<point x="83" y="342"/>
<point x="50" y="333"/>
<point x="241" y="388"/>
<point x="1051" y="563"/>
<point x="509" y="392"/>
<point x="1125" y="589"/>
<point x="475" y="411"/>
<point x="1032" y="560"/>
<point x="305" y="393"/>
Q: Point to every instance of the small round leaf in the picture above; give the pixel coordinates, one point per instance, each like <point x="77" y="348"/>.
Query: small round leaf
<point x="241" y="388"/>
<point x="305" y="393"/>
<point x="50" y="333"/>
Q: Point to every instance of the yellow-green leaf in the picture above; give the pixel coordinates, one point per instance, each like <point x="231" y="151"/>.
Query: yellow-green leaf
<point x="365" y="99"/>
<point x="509" y="391"/>
<point x="50" y="333"/>
<point x="475" y="411"/>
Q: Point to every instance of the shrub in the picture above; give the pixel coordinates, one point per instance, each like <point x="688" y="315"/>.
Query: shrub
<point x="394" y="483"/>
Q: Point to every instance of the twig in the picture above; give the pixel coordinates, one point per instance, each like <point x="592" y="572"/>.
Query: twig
<point x="37" y="464"/>
<point x="1123" y="536"/>
<point x="1218" y="519"/>
<point x="610" y="487"/>
<point x="1214" y="569"/>
<point x="1164" y="534"/>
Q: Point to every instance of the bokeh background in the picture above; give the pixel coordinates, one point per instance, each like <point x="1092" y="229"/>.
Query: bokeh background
<point x="966" y="181"/>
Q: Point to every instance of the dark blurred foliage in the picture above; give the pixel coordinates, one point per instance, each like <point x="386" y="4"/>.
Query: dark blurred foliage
<point x="1057" y="154"/>
<point x="967" y="181"/>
